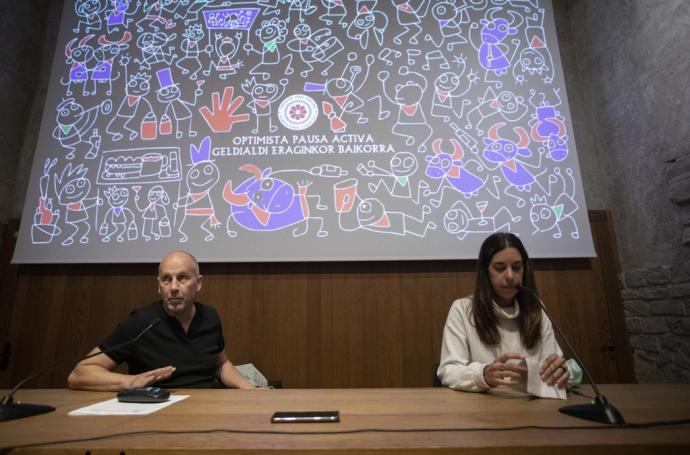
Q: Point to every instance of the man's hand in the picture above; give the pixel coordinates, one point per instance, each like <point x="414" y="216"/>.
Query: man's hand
<point x="553" y="371"/>
<point x="151" y="376"/>
<point x="503" y="372"/>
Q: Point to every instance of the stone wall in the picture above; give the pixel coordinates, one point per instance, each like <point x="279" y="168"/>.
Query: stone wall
<point x="626" y="69"/>
<point x="657" y="313"/>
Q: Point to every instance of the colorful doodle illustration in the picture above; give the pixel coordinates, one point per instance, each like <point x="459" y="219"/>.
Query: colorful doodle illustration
<point x="318" y="47"/>
<point x="89" y="14"/>
<point x="72" y="188"/>
<point x="367" y="22"/>
<point x="511" y="158"/>
<point x="452" y="171"/>
<point x="264" y="95"/>
<point x="265" y="203"/>
<point x="154" y="213"/>
<point x="221" y="117"/>
<point x="272" y="33"/>
<point x="45" y="228"/>
<point x="450" y="20"/>
<point x="396" y="181"/>
<point x="370" y="214"/>
<point x="460" y="221"/>
<point x="343" y="121"/>
<point x="551" y="210"/>
<point x="197" y="202"/>
<point x="74" y="125"/>
<point x="118" y="219"/>
<point x="407" y="95"/>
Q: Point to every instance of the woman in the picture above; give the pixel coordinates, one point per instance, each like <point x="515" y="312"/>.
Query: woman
<point x="488" y="334"/>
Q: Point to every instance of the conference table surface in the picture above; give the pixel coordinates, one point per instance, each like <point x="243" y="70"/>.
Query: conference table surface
<point x="412" y="420"/>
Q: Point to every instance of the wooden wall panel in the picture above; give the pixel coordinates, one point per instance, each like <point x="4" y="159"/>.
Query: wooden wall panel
<point x="347" y="324"/>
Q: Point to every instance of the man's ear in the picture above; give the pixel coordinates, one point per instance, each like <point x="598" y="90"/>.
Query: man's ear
<point x="199" y="282"/>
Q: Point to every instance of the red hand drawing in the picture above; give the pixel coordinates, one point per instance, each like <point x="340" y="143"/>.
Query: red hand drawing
<point x="221" y="119"/>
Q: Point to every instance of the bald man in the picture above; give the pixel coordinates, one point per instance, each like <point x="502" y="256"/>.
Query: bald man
<point x="185" y="349"/>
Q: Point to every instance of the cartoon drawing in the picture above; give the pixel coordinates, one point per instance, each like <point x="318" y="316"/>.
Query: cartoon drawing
<point x="507" y="105"/>
<point x="407" y="94"/>
<point x="135" y="113"/>
<point x="193" y="9"/>
<point x="197" y="203"/>
<point x="89" y="14"/>
<point x="506" y="154"/>
<point x="548" y="127"/>
<point x="154" y="12"/>
<point x="335" y="10"/>
<point x="493" y="51"/>
<point x="449" y="99"/>
<point x="409" y="14"/>
<point x="370" y="214"/>
<point x="266" y="203"/>
<point x="396" y="181"/>
<point x="550" y="211"/>
<point x="80" y="57"/>
<point x="367" y="22"/>
<point x="118" y="16"/>
<point x="44" y="228"/>
<point x="343" y="91"/>
<point x="152" y="49"/>
<point x="74" y="124"/>
<point x="176" y="109"/>
<point x="460" y="222"/>
<point x="224" y="51"/>
<point x="189" y="63"/>
<point x="449" y="18"/>
<point x="301" y="8"/>
<point x="155" y="215"/>
<point x="263" y="96"/>
<point x="118" y="220"/>
<point x="318" y="47"/>
<point x="72" y="188"/>
<point x="453" y="172"/>
<point x="105" y="54"/>
<point x="536" y="58"/>
<point x="271" y="34"/>
<point x="221" y="116"/>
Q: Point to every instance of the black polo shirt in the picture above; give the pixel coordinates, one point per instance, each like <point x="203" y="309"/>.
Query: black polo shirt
<point x="194" y="354"/>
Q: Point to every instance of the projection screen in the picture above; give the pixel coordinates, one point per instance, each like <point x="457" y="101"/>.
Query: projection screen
<point x="303" y="130"/>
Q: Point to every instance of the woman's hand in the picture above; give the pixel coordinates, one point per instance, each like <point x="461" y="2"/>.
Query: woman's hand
<point x="503" y="372"/>
<point x="553" y="371"/>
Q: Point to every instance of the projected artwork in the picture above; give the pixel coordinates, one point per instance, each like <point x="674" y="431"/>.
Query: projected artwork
<point x="303" y="130"/>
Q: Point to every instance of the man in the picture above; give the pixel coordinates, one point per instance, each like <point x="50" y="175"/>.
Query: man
<point x="185" y="349"/>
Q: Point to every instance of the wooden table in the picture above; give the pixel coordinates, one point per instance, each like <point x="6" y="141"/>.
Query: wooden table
<point x="372" y="420"/>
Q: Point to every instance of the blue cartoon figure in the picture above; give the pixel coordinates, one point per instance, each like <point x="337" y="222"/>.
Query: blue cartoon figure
<point x="265" y="203"/>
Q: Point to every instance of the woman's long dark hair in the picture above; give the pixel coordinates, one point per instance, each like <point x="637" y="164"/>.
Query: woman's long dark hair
<point x="485" y="319"/>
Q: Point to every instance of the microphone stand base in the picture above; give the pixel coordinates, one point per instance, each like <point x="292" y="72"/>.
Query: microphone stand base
<point x="599" y="411"/>
<point x="13" y="411"/>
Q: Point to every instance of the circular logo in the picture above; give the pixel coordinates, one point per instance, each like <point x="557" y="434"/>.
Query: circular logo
<point x="297" y="112"/>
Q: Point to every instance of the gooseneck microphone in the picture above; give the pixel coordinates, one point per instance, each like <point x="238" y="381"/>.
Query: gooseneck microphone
<point x="599" y="410"/>
<point x="11" y="410"/>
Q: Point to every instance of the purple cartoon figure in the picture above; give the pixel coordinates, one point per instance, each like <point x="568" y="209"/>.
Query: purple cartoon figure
<point x="265" y="203"/>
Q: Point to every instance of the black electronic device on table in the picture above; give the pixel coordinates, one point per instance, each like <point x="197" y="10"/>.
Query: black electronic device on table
<point x="148" y="394"/>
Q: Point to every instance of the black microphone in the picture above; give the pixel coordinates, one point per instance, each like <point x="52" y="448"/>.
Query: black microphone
<point x="11" y="410"/>
<point x="599" y="410"/>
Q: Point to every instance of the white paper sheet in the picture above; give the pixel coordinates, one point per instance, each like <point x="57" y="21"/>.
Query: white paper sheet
<point x="537" y="387"/>
<point x="116" y="408"/>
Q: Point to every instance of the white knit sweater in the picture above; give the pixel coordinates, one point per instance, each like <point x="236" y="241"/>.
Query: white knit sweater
<point x="464" y="356"/>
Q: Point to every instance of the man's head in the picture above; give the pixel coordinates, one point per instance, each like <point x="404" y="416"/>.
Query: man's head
<point x="178" y="283"/>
